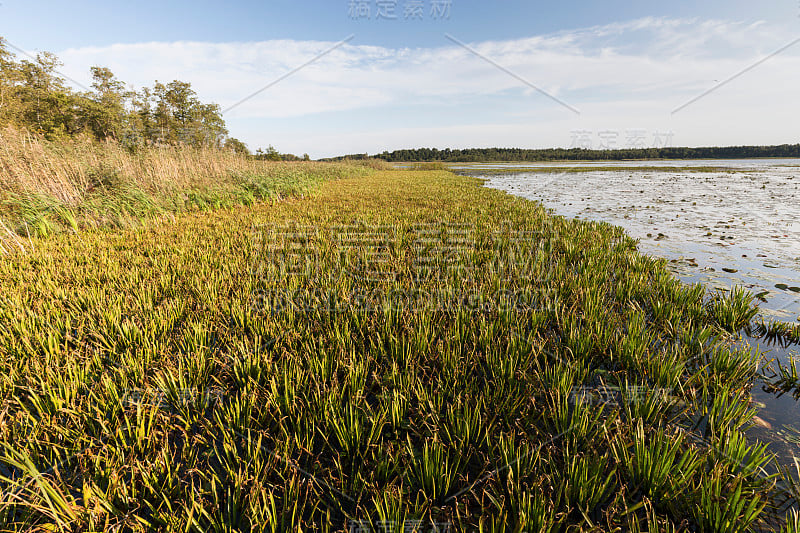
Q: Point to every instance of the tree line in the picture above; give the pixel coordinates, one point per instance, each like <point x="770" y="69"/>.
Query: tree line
<point x="472" y="155"/>
<point x="35" y="97"/>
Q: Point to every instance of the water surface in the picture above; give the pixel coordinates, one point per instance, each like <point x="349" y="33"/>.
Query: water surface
<point x="739" y="225"/>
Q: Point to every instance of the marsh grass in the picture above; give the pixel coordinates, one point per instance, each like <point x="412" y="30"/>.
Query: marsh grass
<point x="48" y="187"/>
<point x="149" y="384"/>
<point x="786" y="378"/>
<point x="781" y="333"/>
<point x="733" y="311"/>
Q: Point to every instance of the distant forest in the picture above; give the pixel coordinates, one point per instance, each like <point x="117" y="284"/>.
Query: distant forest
<point x="561" y="154"/>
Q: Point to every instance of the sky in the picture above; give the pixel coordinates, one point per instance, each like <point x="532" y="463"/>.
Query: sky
<point x="334" y="77"/>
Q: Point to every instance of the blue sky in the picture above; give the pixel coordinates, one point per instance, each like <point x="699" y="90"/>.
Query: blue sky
<point x="400" y="83"/>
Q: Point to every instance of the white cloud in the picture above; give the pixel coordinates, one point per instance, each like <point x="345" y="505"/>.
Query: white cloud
<point x="631" y="74"/>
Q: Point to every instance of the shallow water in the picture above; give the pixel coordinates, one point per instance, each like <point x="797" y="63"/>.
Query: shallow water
<point x="737" y="225"/>
<point x="667" y="163"/>
<point x="722" y="228"/>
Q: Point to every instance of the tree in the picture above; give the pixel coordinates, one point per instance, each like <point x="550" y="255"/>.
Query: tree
<point x="9" y="78"/>
<point x="35" y="97"/>
<point x="236" y="145"/>
<point x="210" y="125"/>
<point x="105" y="112"/>
<point x="270" y="155"/>
<point x="180" y="118"/>
<point x="47" y="104"/>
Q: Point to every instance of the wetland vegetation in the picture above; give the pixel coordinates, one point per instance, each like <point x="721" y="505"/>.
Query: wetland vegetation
<point x="77" y="184"/>
<point x="394" y="348"/>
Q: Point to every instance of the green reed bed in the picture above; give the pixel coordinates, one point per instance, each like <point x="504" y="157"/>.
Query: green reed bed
<point x="49" y="187"/>
<point x="115" y="202"/>
<point x="403" y="349"/>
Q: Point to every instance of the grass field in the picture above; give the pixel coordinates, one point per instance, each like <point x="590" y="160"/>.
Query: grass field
<point x="401" y="348"/>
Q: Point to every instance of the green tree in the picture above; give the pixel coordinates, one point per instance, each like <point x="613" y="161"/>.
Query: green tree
<point x="104" y="109"/>
<point x="271" y="154"/>
<point x="10" y="105"/>
<point x="181" y="118"/>
<point x="35" y="97"/>
<point x="48" y="107"/>
<point x="236" y="145"/>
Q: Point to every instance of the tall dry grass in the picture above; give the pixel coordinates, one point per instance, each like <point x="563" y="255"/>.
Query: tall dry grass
<point x="46" y="185"/>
